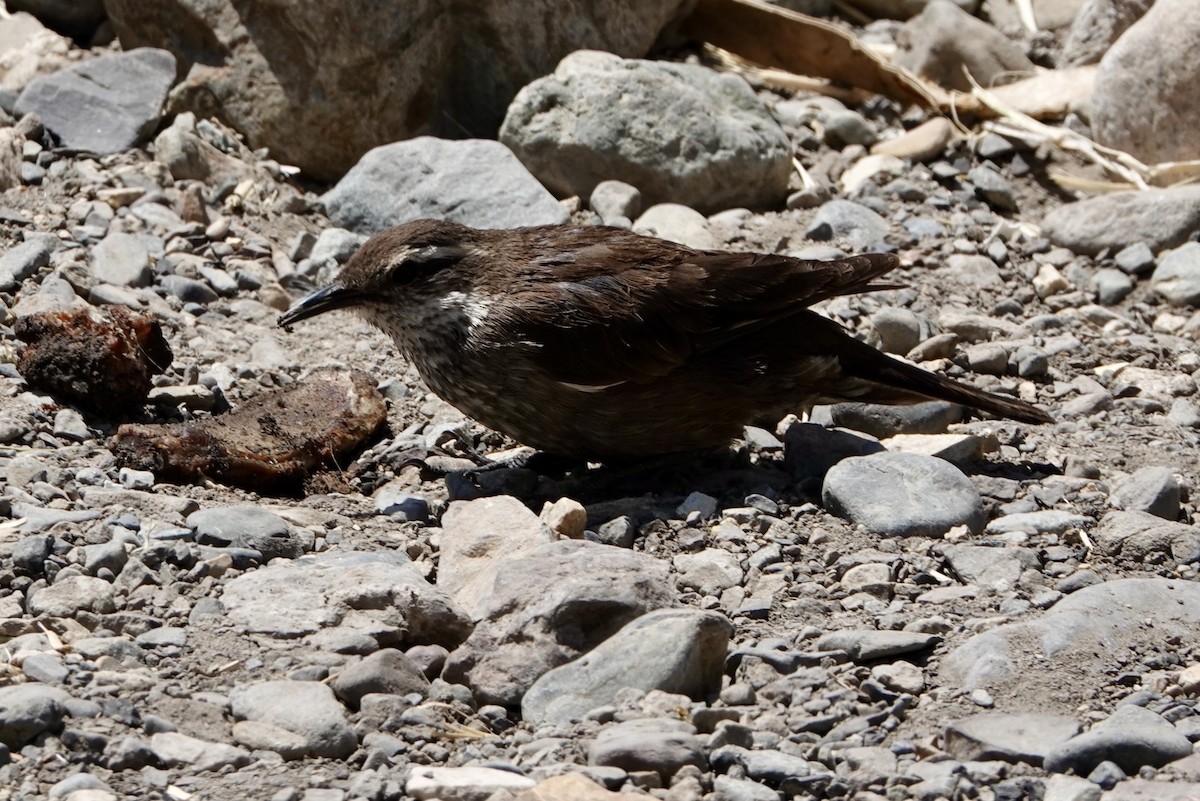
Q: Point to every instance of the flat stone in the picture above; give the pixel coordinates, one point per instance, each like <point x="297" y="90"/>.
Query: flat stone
<point x="651" y="744"/>
<point x="123" y="260"/>
<point x="359" y="589"/>
<point x="1132" y="737"/>
<point x="305" y="708"/>
<point x="245" y="526"/>
<point x="557" y="603"/>
<point x="865" y="645"/>
<point x="1135" y="535"/>
<point x="902" y="494"/>
<point x="1150" y="489"/>
<point x="478" y="538"/>
<point x="28" y="710"/>
<point x="72" y="594"/>
<point x="1103" y="618"/>
<point x="176" y="750"/>
<point x="472" y="783"/>
<point x="385" y="671"/>
<point x="475" y="182"/>
<point x="103" y="105"/>
<point x="1009" y="737"/>
<point x="1159" y="218"/>
<point x="672" y="650"/>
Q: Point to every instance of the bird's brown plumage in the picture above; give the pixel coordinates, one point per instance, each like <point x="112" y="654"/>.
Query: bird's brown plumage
<point x="598" y="342"/>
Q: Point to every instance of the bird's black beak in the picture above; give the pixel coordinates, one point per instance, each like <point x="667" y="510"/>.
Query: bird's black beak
<point x="325" y="299"/>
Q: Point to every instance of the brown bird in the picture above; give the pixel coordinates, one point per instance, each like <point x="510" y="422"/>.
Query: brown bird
<point x="599" y="343"/>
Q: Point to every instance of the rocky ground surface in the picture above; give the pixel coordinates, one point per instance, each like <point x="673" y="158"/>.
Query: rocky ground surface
<point x="873" y="604"/>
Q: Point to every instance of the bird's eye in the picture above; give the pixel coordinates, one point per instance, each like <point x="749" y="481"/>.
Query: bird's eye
<point x="424" y="262"/>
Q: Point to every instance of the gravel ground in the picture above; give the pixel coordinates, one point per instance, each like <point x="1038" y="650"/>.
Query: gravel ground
<point x="1020" y="625"/>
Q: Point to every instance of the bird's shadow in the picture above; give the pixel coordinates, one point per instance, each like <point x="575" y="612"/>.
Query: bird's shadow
<point x="654" y="487"/>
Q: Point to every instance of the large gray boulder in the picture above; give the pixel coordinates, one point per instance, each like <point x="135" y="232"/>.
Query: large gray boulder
<point x="322" y="83"/>
<point x="1145" y="100"/>
<point x="680" y="133"/>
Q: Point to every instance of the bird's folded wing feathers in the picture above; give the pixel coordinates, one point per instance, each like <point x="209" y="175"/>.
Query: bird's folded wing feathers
<point x="636" y="324"/>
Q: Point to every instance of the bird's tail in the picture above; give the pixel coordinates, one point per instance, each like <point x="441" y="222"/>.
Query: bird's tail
<point x="912" y="383"/>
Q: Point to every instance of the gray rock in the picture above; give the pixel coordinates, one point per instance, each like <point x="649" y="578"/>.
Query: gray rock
<point x="557" y="603"/>
<point x="974" y="270"/>
<point x="29" y="553"/>
<point x="109" y="555"/>
<point x="1158" y="218"/>
<point x="176" y="750"/>
<point x="67" y="596"/>
<point x="881" y="420"/>
<point x="1149" y="489"/>
<point x="1135" y="259"/>
<point x="78" y="782"/>
<point x="676" y="223"/>
<point x="1046" y="521"/>
<point x="1131" y="737"/>
<point x="672" y="650"/>
<point x="902" y="494"/>
<point x="260" y="736"/>
<point x="467" y="783"/>
<point x="1111" y="286"/>
<point x="1136" y="535"/>
<point x="479" y="538"/>
<point x="703" y="505"/>
<point x="335" y="246"/>
<point x="306" y="708"/>
<point x="24" y="260"/>
<point x="991" y="188"/>
<point x="69" y="425"/>
<point x="1021" y="737"/>
<point x="660" y="745"/>
<point x="38" y="519"/>
<point x="613" y="200"/>
<point x="944" y="41"/>
<point x="1177" y="277"/>
<point x="303" y="596"/>
<point x="189" y="290"/>
<point x="846" y="127"/>
<point x="866" y="645"/>
<point x="997" y="568"/>
<point x="474" y="182"/>
<point x="385" y="671"/>
<point x="396" y="503"/>
<point x="811" y="449"/>
<point x="1151" y="120"/>
<point x="849" y="222"/>
<point x="1184" y="413"/>
<point x="1078" y="580"/>
<point x="103" y="105"/>
<point x="246" y="526"/>
<point x="1106" y="617"/>
<point x="28" y="710"/>
<point x="1028" y="361"/>
<point x="163" y="636"/>
<point x="383" y="73"/>
<point x="710" y="571"/>
<point x="767" y="765"/>
<point x="122" y="259"/>
<point x="596" y="117"/>
<point x="900" y="330"/>
<point x="44" y="667"/>
<point x="727" y="788"/>
<point x="1096" y="26"/>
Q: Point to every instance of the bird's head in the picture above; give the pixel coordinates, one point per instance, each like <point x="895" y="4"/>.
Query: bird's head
<point x="399" y="274"/>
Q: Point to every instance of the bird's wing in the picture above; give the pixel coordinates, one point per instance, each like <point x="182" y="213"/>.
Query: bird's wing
<point x="612" y="310"/>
